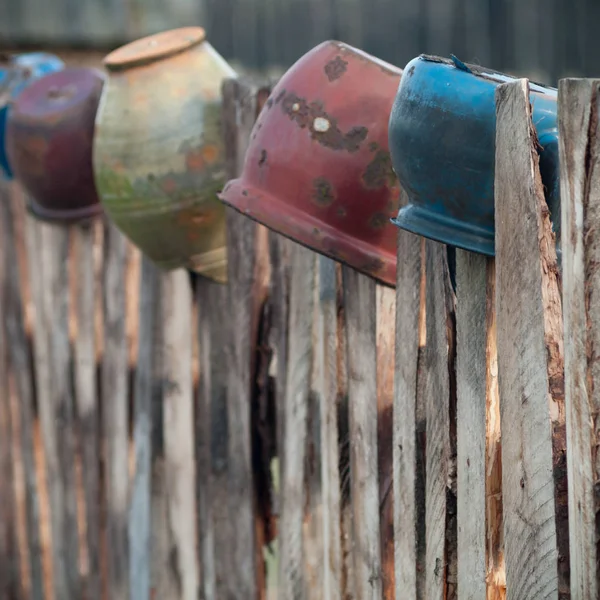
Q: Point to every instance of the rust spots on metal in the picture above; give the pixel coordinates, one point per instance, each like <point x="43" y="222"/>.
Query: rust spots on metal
<point x="341" y="212"/>
<point x="323" y="193"/>
<point x="379" y="171"/>
<point x="378" y="221"/>
<point x="373" y="265"/>
<point x="335" y="68"/>
<point x="323" y="128"/>
<point x="411" y="71"/>
<point x="263" y="158"/>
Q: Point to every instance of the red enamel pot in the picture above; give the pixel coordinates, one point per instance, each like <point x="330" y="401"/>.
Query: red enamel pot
<point x="318" y="166"/>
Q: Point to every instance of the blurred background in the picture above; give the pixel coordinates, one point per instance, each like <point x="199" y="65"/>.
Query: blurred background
<point x="541" y="39"/>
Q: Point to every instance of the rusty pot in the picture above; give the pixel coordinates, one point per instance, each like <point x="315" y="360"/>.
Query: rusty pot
<point x="16" y="74"/>
<point x="50" y="131"/>
<point x="158" y="150"/>
<point x="318" y="168"/>
<point x="442" y="135"/>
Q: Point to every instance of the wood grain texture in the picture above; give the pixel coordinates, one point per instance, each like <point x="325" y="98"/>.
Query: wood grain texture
<point x="471" y="278"/>
<point x="212" y="438"/>
<point x="530" y="530"/>
<point x="495" y="567"/>
<point x="580" y="193"/>
<point x="361" y="324"/>
<point x="140" y="521"/>
<point x="86" y="398"/>
<point x="178" y="431"/>
<point x="328" y="396"/>
<point x="247" y="288"/>
<point x="115" y="410"/>
<point x="292" y="584"/>
<point x="408" y="314"/>
<point x="386" y="337"/>
<point x="440" y="467"/>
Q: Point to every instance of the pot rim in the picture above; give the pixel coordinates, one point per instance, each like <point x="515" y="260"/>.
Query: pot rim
<point x="155" y="47"/>
<point x="299" y="227"/>
<point x="43" y="213"/>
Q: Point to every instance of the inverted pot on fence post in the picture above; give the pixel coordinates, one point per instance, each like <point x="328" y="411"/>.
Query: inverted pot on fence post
<point x="442" y="132"/>
<point x="318" y="167"/>
<point x="49" y="138"/>
<point x="16" y="74"/>
<point x="158" y="150"/>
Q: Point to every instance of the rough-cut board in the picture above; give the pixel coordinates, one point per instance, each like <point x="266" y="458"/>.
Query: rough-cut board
<point x="386" y="338"/>
<point x="440" y="569"/>
<point x="140" y="521"/>
<point x="211" y="439"/>
<point x="115" y="411"/>
<point x="326" y="355"/>
<point x="247" y="291"/>
<point x="20" y="418"/>
<point x="471" y="279"/>
<point x="87" y="401"/>
<point x="580" y="194"/>
<point x="361" y="324"/>
<point x="292" y="585"/>
<point x="529" y="354"/>
<point x="408" y="313"/>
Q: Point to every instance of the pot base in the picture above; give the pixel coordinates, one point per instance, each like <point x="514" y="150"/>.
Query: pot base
<point x="446" y="231"/>
<point x="309" y="232"/>
<point x="210" y="265"/>
<point x="79" y="215"/>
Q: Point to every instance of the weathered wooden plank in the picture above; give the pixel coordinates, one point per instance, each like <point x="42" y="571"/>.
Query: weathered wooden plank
<point x="212" y="444"/>
<point x="408" y="317"/>
<point x="580" y="194"/>
<point x="471" y="276"/>
<point x="86" y="397"/>
<point x="115" y="411"/>
<point x="140" y="521"/>
<point x="439" y="460"/>
<point x="495" y="567"/>
<point x="246" y="251"/>
<point x="292" y="584"/>
<point x="386" y="331"/>
<point x="529" y="346"/>
<point x="328" y="391"/>
<point x="178" y="424"/>
<point x="361" y="324"/>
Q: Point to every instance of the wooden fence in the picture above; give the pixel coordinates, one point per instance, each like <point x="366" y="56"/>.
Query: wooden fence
<point x="276" y="437"/>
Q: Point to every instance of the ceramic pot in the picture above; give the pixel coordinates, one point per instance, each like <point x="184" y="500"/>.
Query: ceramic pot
<point x="318" y="168"/>
<point x="158" y="149"/>
<point x="16" y="74"/>
<point x="442" y="134"/>
<point x="50" y="131"/>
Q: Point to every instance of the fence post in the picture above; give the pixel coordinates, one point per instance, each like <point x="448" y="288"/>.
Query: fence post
<point x="580" y="196"/>
<point x="530" y="360"/>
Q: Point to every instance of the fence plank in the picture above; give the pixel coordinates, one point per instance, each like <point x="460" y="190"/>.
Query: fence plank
<point x="386" y="331"/>
<point x="87" y="402"/>
<point x="140" y="521"/>
<point x="247" y="290"/>
<point x="495" y="569"/>
<point x="178" y="425"/>
<point x="440" y="470"/>
<point x="326" y="356"/>
<point x="406" y="484"/>
<point x="291" y="569"/>
<point x="115" y="411"/>
<point x="360" y="304"/>
<point x="216" y="534"/>
<point x="580" y="193"/>
<point x="522" y="238"/>
<point x="471" y="276"/>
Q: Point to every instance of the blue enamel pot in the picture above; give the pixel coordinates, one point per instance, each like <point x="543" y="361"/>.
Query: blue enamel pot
<point x="15" y="76"/>
<point x="442" y="137"/>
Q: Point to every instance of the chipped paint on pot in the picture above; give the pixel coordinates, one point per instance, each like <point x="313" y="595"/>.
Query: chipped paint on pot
<point x="318" y="168"/>
<point x="50" y="131"/>
<point x="442" y="134"/>
<point x="15" y="75"/>
<point x="159" y="158"/>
